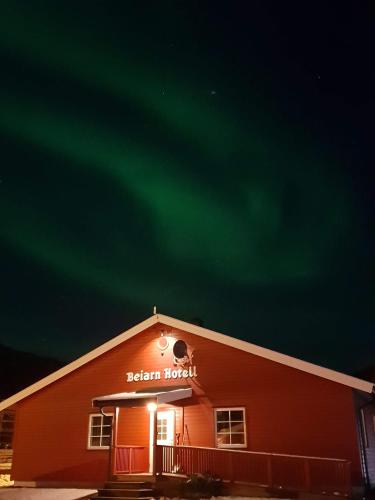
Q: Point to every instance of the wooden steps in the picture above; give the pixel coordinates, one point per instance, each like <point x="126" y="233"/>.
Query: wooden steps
<point x="126" y="490"/>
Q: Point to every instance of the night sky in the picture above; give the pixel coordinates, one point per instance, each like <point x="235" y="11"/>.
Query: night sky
<point x="214" y="159"/>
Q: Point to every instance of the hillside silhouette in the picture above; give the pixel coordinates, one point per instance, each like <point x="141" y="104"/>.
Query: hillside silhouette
<point x="19" y="369"/>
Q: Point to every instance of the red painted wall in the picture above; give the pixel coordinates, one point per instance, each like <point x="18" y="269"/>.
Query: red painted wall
<point x="133" y="427"/>
<point x="288" y="411"/>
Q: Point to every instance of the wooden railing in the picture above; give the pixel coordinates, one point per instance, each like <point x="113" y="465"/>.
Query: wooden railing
<point x="131" y="459"/>
<point x="301" y="473"/>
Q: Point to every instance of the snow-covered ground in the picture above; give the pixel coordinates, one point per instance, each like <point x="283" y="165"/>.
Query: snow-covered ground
<point x="5" y="480"/>
<point x="43" y="493"/>
<point x="72" y="494"/>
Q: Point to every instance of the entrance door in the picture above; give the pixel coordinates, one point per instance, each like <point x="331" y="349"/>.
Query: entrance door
<point x="165" y="427"/>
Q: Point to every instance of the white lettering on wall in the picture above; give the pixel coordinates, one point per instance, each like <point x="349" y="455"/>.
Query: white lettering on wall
<point x="168" y="374"/>
<point x="139" y="376"/>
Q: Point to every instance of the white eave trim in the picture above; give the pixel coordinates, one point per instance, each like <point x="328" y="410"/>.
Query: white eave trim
<point x="319" y="371"/>
<point x="284" y="359"/>
<point x="90" y="356"/>
<point x="161" y="397"/>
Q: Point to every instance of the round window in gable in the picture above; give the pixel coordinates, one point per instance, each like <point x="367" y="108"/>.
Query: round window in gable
<point x="180" y="349"/>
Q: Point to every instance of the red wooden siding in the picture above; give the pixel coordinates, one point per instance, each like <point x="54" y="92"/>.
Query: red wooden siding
<point x="287" y="411"/>
<point x="133" y="426"/>
<point x="199" y="424"/>
<point x="131" y="459"/>
<point x="178" y="426"/>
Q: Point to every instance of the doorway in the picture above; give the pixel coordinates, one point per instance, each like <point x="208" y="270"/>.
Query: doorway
<point x="165" y="427"/>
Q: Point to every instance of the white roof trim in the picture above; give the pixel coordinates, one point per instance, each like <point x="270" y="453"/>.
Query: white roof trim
<point x="319" y="371"/>
<point x="107" y="346"/>
<point x="284" y="359"/>
<point x="162" y="396"/>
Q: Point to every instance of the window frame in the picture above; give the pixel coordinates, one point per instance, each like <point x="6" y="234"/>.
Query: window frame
<point x="234" y="408"/>
<point x="89" y="435"/>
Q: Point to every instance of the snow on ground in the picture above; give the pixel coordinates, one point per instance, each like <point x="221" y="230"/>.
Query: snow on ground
<point x="231" y="498"/>
<point x="44" y="494"/>
<point x="5" y="480"/>
<point x="74" y="494"/>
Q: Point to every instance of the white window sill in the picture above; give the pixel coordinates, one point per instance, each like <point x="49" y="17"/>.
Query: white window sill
<point x="231" y="446"/>
<point x="97" y="448"/>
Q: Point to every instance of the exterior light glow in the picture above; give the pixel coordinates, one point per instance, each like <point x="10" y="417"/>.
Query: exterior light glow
<point x="163" y="342"/>
<point x="151" y="407"/>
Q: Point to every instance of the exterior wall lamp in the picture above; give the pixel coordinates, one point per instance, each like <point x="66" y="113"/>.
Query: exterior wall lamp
<point x="152" y="407"/>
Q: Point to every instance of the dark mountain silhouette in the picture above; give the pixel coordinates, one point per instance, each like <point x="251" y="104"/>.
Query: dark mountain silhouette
<point x="19" y="369"/>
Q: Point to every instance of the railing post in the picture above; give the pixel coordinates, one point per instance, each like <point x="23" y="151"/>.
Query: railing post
<point x="113" y="445"/>
<point x="155" y="422"/>
<point x="348" y="479"/>
<point x="306" y="467"/>
<point x="231" y="472"/>
<point x="157" y="460"/>
<point x="269" y="470"/>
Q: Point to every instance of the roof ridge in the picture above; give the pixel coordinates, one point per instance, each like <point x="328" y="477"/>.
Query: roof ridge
<point x="306" y="366"/>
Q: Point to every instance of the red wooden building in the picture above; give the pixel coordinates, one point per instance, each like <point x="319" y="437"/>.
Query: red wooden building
<point x="169" y="397"/>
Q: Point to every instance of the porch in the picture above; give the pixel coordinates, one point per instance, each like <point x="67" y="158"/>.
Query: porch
<point x="267" y="470"/>
<point x="159" y="456"/>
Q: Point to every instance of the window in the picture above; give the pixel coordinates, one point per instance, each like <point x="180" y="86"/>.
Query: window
<point x="6" y="428"/>
<point x="100" y="431"/>
<point x="165" y="427"/>
<point x="230" y="427"/>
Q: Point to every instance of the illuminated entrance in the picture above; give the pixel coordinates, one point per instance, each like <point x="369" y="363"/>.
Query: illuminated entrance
<point x="155" y="423"/>
<point x="165" y="427"/>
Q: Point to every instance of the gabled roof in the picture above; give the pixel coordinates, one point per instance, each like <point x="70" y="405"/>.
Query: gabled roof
<point x="319" y="371"/>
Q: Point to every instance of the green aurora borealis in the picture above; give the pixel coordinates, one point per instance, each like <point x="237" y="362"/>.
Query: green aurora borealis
<point x="135" y="173"/>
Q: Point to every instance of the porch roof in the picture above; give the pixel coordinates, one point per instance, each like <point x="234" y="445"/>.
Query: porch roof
<point x="142" y="398"/>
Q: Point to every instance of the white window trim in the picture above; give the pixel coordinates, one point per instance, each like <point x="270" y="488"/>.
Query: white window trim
<point x="91" y="415"/>
<point x="230" y="408"/>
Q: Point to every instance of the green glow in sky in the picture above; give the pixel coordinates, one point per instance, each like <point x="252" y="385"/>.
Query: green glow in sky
<point x="243" y="235"/>
<point x="149" y="177"/>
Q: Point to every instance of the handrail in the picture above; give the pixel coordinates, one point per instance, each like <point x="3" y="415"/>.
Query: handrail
<point x="277" y="470"/>
<point x="259" y="453"/>
<point x="129" y="446"/>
